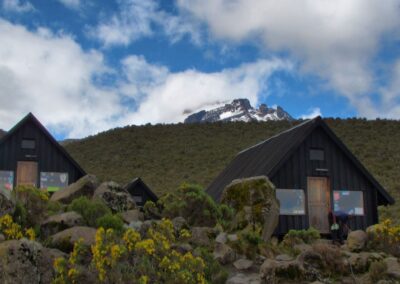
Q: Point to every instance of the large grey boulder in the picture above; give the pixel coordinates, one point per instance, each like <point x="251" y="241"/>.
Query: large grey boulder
<point x="59" y="222"/>
<point x="114" y="196"/>
<point x="393" y="268"/>
<point x="7" y="204"/>
<point x="271" y="270"/>
<point x="254" y="200"/>
<point x="224" y="253"/>
<point x="243" y="264"/>
<point x="24" y="261"/>
<point x="133" y="215"/>
<point x="201" y="236"/>
<point x="65" y="240"/>
<point x="85" y="186"/>
<point x="357" y="240"/>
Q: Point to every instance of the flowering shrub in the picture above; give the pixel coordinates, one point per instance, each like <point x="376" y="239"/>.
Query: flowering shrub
<point x="32" y="203"/>
<point x="12" y="230"/>
<point x="385" y="236"/>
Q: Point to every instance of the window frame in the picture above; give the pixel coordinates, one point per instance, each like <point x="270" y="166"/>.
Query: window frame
<point x="362" y="197"/>
<point x="304" y="202"/>
<point x="316" y="149"/>
<point x="27" y="147"/>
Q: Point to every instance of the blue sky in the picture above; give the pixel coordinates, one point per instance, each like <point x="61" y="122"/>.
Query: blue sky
<point x="87" y="66"/>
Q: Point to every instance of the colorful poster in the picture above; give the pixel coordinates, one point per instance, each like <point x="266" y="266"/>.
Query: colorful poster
<point x="6" y="182"/>
<point x="53" y="181"/>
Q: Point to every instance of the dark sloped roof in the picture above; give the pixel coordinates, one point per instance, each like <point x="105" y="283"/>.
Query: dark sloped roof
<point x="2" y="133"/>
<point x="30" y="117"/>
<point x="138" y="180"/>
<point x="266" y="157"/>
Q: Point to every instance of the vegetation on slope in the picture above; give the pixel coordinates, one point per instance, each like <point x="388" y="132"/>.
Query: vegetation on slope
<point x="167" y="155"/>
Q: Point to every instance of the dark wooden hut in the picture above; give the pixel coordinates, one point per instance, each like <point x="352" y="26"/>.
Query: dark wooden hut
<point x="141" y="192"/>
<point x="314" y="173"/>
<point x="29" y="155"/>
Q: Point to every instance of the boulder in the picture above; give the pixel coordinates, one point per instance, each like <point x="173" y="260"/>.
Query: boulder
<point x="59" y="222"/>
<point x="114" y="196"/>
<point x="284" y="257"/>
<point x="221" y="238"/>
<point x="271" y="270"/>
<point x="357" y="240"/>
<point x="182" y="248"/>
<point x="393" y="268"/>
<point x="136" y="225"/>
<point x="24" y="261"/>
<point x="179" y="223"/>
<point x="201" y="236"/>
<point x="2" y="238"/>
<point x="7" y="204"/>
<point x="240" y="278"/>
<point x="254" y="200"/>
<point x="133" y="215"/>
<point x="224" y="254"/>
<point x="360" y="262"/>
<point x="233" y="237"/>
<point x="243" y="264"/>
<point x="65" y="240"/>
<point x="85" y="186"/>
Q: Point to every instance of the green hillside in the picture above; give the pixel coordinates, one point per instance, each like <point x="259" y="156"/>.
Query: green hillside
<point x="167" y="155"/>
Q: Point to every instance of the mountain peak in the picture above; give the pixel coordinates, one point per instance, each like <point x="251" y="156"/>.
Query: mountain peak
<point x="239" y="110"/>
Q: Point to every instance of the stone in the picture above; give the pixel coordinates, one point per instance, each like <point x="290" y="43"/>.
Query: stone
<point x="182" y="248"/>
<point x="243" y="264"/>
<point x="240" y="278"/>
<point x="360" y="262"/>
<point x="85" y="186"/>
<point x="201" y="236"/>
<point x="284" y="257"/>
<point x="7" y="204"/>
<point x="114" y="196"/>
<point x="133" y="215"/>
<point x="272" y="270"/>
<point x="65" y="240"/>
<point x="136" y="225"/>
<point x="254" y="200"/>
<point x="25" y="261"/>
<point x="222" y="238"/>
<point x="357" y="240"/>
<point x="2" y="238"/>
<point x="233" y="237"/>
<point x="179" y="223"/>
<point x="59" y="222"/>
<point x="393" y="267"/>
<point x="224" y="253"/>
<point x="302" y="247"/>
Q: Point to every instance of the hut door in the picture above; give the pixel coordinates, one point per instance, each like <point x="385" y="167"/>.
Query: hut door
<point x="318" y="203"/>
<point x="27" y="173"/>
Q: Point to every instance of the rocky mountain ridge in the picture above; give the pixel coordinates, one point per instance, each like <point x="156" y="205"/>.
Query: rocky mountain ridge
<point x="239" y="110"/>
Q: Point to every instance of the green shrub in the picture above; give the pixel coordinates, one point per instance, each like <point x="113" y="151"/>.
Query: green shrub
<point x="249" y="242"/>
<point x="54" y="207"/>
<point x="214" y="272"/>
<point x="301" y="236"/>
<point x="111" y="221"/>
<point x="20" y="215"/>
<point x="193" y="203"/>
<point x="90" y="210"/>
<point x="377" y="271"/>
<point x="151" y="210"/>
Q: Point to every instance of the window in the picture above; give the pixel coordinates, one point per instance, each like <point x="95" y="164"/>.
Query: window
<point x="138" y="199"/>
<point x="349" y="202"/>
<point x="28" y="144"/>
<point x="291" y="201"/>
<point x="6" y="182"/>
<point x="317" y="155"/>
<point x="53" y="181"/>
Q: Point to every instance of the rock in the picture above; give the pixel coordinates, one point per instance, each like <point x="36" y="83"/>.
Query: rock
<point x="240" y="278"/>
<point x="284" y="257"/>
<point x="85" y="186"/>
<point x="393" y="267"/>
<point x="59" y="222"/>
<point x="222" y="238"/>
<point x="233" y="237"/>
<point x="357" y="240"/>
<point x="271" y="270"/>
<point x="133" y="215"/>
<point x="182" y="248"/>
<point x="7" y="204"/>
<point x="24" y="261"/>
<point x="136" y="225"/>
<point x="302" y="247"/>
<point x="2" y="238"/>
<point x="179" y="223"/>
<point x="114" y="196"/>
<point x="65" y="240"/>
<point x="312" y="262"/>
<point x="360" y="262"/>
<point x="242" y="264"/>
<point x="254" y="200"/>
<point x="224" y="253"/>
<point x="201" y="236"/>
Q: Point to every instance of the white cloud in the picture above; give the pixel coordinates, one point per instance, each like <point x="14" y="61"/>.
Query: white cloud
<point x="312" y="112"/>
<point x="72" y="4"/>
<point x="169" y="96"/>
<point x="136" y="19"/>
<point x="54" y="79"/>
<point x="17" y="6"/>
<point x="337" y="40"/>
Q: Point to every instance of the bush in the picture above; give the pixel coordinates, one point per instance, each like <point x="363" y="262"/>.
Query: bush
<point x="20" y="214"/>
<point x="54" y="207"/>
<point x="249" y="242"/>
<point x="151" y="210"/>
<point x="110" y="221"/>
<point x="35" y="203"/>
<point x="192" y="203"/>
<point x="377" y="271"/>
<point x="385" y="236"/>
<point x="301" y="236"/>
<point x="214" y="271"/>
<point x="90" y="210"/>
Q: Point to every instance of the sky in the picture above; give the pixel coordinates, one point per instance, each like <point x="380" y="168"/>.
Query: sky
<point x="82" y="67"/>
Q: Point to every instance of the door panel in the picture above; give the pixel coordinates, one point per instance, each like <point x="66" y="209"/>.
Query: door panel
<point x="318" y="203"/>
<point x="27" y="173"/>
